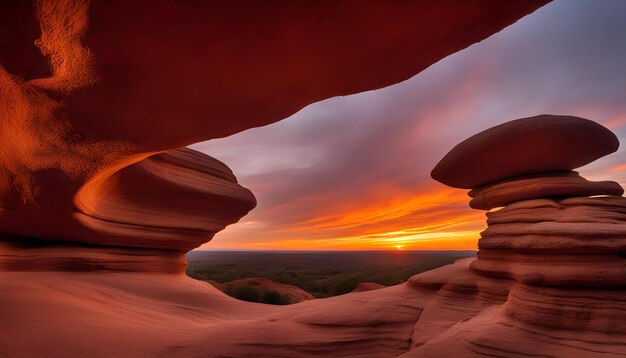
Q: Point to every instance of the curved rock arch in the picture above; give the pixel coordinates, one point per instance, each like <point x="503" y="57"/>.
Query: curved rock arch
<point x="91" y="129"/>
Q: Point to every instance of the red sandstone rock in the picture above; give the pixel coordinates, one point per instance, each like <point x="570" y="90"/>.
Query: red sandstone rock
<point x="575" y="242"/>
<point x="175" y="200"/>
<point x="525" y="146"/>
<point x="561" y="251"/>
<point x="566" y="184"/>
<point x="96" y="97"/>
<point x="556" y="270"/>
<point x="461" y="313"/>
<point x="574" y="210"/>
<point x="127" y="84"/>
<point x="14" y="256"/>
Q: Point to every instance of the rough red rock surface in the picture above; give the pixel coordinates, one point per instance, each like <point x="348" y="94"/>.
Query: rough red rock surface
<point x="562" y="252"/>
<point x="99" y="98"/>
<point x="551" y="185"/>
<point x="525" y="146"/>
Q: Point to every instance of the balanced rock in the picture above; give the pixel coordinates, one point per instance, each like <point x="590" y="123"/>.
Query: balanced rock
<point x="526" y="146"/>
<point x="556" y="232"/>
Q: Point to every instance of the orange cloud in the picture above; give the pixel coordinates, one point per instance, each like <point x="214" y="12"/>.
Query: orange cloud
<point x="352" y="172"/>
<point x="435" y="219"/>
<point x="618" y="168"/>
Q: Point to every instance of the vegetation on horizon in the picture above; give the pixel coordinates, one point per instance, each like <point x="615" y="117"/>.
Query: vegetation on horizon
<point x="251" y="294"/>
<point x="323" y="274"/>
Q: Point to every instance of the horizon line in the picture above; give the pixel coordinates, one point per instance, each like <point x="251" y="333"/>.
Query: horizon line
<point x="326" y="250"/>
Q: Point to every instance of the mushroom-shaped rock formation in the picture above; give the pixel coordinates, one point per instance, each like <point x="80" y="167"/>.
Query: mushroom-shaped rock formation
<point x="563" y="250"/>
<point x="562" y="184"/>
<point x="525" y="146"/>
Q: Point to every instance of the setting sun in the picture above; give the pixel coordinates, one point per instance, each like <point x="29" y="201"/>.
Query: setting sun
<point x="399" y="247"/>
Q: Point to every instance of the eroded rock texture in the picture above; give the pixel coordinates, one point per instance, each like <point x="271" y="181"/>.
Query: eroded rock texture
<point x="555" y="251"/>
<point x="98" y="97"/>
<point x="98" y="100"/>
<point x="526" y="146"/>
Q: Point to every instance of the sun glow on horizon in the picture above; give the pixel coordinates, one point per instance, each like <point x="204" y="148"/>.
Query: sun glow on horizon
<point x="351" y="172"/>
<point x="398" y="240"/>
<point x="433" y="218"/>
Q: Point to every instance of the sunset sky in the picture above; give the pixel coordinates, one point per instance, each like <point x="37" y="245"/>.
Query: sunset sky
<point x="354" y="172"/>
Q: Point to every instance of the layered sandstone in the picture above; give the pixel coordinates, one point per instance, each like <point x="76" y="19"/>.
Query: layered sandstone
<point x="143" y="217"/>
<point x="548" y="185"/>
<point x="556" y="248"/>
<point x="99" y="198"/>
